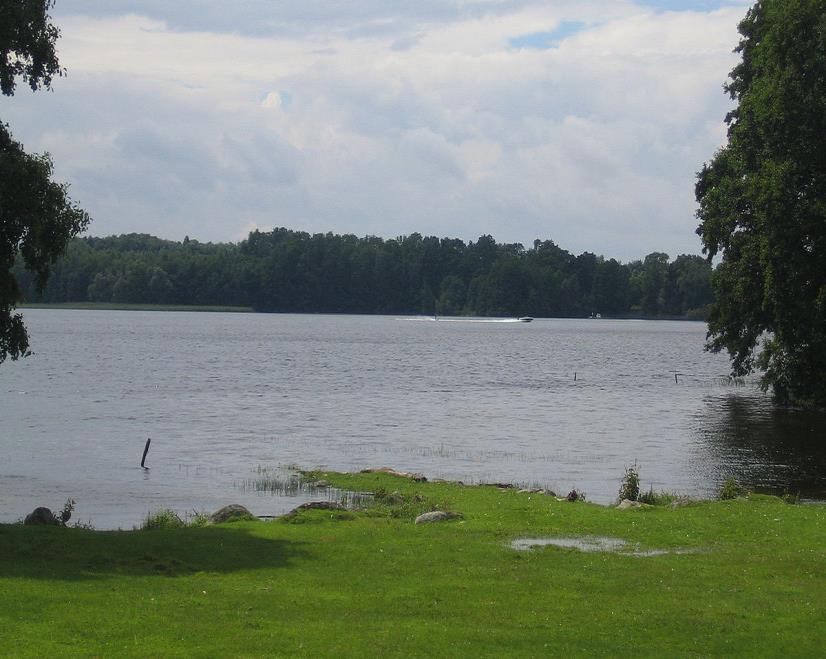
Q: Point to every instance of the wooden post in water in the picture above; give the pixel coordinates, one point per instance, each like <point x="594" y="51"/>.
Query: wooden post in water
<point x="145" y="451"/>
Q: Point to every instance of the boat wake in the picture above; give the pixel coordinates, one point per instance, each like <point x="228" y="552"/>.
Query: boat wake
<point x="428" y="319"/>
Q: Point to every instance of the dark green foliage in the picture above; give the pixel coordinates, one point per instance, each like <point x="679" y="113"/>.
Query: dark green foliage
<point x="763" y="204"/>
<point x="27" y="44"/>
<point x="293" y="271"/>
<point x="66" y="514"/>
<point x="37" y="219"/>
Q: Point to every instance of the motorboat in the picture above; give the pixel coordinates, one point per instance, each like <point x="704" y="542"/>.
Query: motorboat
<point x="524" y="319"/>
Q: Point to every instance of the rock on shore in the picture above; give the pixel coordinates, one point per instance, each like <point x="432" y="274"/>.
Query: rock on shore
<point x="230" y="512"/>
<point x="41" y="515"/>
<point x="437" y="516"/>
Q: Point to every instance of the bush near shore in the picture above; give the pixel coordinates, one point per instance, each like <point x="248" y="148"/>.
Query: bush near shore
<point x="738" y="577"/>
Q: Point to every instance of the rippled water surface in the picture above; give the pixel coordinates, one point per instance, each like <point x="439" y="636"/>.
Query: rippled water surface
<point x="556" y="403"/>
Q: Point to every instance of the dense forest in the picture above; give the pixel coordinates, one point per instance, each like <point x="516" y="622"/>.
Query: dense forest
<point x="285" y="270"/>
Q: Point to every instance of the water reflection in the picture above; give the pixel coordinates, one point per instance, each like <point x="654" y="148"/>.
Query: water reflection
<point x="766" y="448"/>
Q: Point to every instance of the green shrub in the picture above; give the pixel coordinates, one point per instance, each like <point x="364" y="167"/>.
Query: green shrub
<point x="660" y="498"/>
<point x="730" y="489"/>
<point x="162" y="519"/>
<point x="630" y="485"/>
<point x="197" y="519"/>
<point x="789" y="497"/>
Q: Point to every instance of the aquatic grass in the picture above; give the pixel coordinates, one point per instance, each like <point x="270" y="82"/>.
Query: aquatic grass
<point x="303" y="484"/>
<point x="357" y="583"/>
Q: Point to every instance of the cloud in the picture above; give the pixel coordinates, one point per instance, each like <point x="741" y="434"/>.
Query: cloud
<point x="582" y="122"/>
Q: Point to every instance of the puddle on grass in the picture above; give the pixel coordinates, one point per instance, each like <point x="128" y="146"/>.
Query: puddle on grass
<point x="597" y="544"/>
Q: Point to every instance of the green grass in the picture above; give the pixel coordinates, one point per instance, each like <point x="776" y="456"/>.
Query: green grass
<point x="371" y="583"/>
<point x="118" y="306"/>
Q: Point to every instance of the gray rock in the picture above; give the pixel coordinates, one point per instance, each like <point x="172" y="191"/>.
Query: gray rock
<point x="627" y="503"/>
<point x="437" y="516"/>
<point x="41" y="515"/>
<point x="230" y="512"/>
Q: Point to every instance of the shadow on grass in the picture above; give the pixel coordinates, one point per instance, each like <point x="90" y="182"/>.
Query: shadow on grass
<point x="37" y="552"/>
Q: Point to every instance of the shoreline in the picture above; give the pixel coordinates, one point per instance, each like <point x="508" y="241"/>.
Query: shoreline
<point x="429" y="569"/>
<point x="117" y="306"/>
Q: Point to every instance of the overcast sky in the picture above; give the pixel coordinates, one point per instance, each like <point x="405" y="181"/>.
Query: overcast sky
<point x="580" y="121"/>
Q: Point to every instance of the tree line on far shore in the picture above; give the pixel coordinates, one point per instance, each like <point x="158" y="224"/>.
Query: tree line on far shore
<point x="294" y="271"/>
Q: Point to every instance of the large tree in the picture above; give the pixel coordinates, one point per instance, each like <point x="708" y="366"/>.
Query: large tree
<point x="37" y="219"/>
<point x="763" y="204"/>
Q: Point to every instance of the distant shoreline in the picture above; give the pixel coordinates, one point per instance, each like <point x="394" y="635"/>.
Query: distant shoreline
<point x="116" y="306"/>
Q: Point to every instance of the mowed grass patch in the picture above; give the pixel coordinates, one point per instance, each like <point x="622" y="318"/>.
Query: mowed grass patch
<point x="374" y="583"/>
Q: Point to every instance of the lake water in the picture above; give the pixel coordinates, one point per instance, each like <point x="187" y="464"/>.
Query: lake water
<point x="224" y="397"/>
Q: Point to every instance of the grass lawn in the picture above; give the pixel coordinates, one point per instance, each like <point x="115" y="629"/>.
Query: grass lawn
<point x="119" y="306"/>
<point x="372" y="583"/>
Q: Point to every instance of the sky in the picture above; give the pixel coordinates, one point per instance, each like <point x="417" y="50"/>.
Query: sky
<point x="579" y="121"/>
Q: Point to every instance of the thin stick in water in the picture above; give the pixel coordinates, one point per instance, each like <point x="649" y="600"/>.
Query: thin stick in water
<point x="145" y="451"/>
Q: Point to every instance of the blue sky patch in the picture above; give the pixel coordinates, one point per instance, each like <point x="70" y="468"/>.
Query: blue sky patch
<point x="545" y="40"/>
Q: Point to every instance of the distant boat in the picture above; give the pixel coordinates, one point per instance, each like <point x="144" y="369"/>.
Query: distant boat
<point x="524" y="319"/>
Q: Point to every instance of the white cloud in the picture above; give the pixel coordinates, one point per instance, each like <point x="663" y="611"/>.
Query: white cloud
<point x="389" y="120"/>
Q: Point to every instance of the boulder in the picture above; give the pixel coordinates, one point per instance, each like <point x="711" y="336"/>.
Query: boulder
<point x="625" y="504"/>
<point x="437" y="516"/>
<point x="42" y="515"/>
<point x="230" y="512"/>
